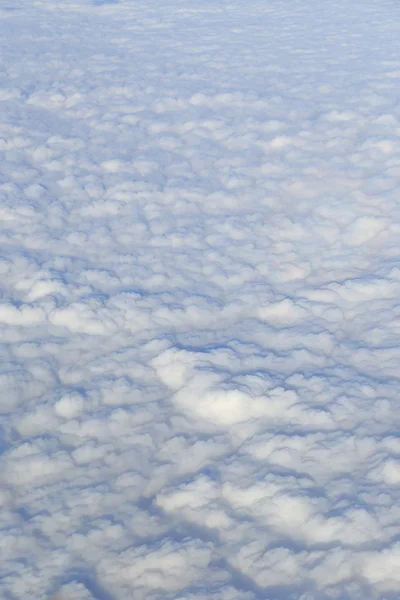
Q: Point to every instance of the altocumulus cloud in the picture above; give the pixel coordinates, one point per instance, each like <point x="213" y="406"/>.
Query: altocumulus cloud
<point x="200" y="317"/>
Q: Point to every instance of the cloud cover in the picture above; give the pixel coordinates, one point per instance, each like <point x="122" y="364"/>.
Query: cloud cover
<point x="199" y="313"/>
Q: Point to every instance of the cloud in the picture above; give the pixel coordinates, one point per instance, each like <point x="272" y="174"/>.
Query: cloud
<point x="199" y="301"/>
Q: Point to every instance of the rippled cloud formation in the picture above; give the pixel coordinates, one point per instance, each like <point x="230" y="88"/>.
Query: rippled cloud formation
<point x="200" y="283"/>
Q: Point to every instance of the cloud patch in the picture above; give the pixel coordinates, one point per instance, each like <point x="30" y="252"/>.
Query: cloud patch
<point x="199" y="301"/>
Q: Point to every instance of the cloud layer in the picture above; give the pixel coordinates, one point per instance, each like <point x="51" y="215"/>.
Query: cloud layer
<point x="199" y="316"/>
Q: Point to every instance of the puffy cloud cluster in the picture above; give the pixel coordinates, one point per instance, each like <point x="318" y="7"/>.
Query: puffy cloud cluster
<point x="199" y="307"/>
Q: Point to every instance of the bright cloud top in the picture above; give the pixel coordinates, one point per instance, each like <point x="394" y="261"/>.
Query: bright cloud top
<point x="199" y="318"/>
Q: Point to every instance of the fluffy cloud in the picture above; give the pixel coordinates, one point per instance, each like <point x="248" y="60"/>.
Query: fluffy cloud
<point x="199" y="301"/>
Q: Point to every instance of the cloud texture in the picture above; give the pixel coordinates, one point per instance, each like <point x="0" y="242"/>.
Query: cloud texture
<point x="199" y="313"/>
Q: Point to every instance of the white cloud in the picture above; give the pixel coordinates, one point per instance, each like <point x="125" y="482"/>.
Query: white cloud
<point x="199" y="314"/>
<point x="73" y="591"/>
